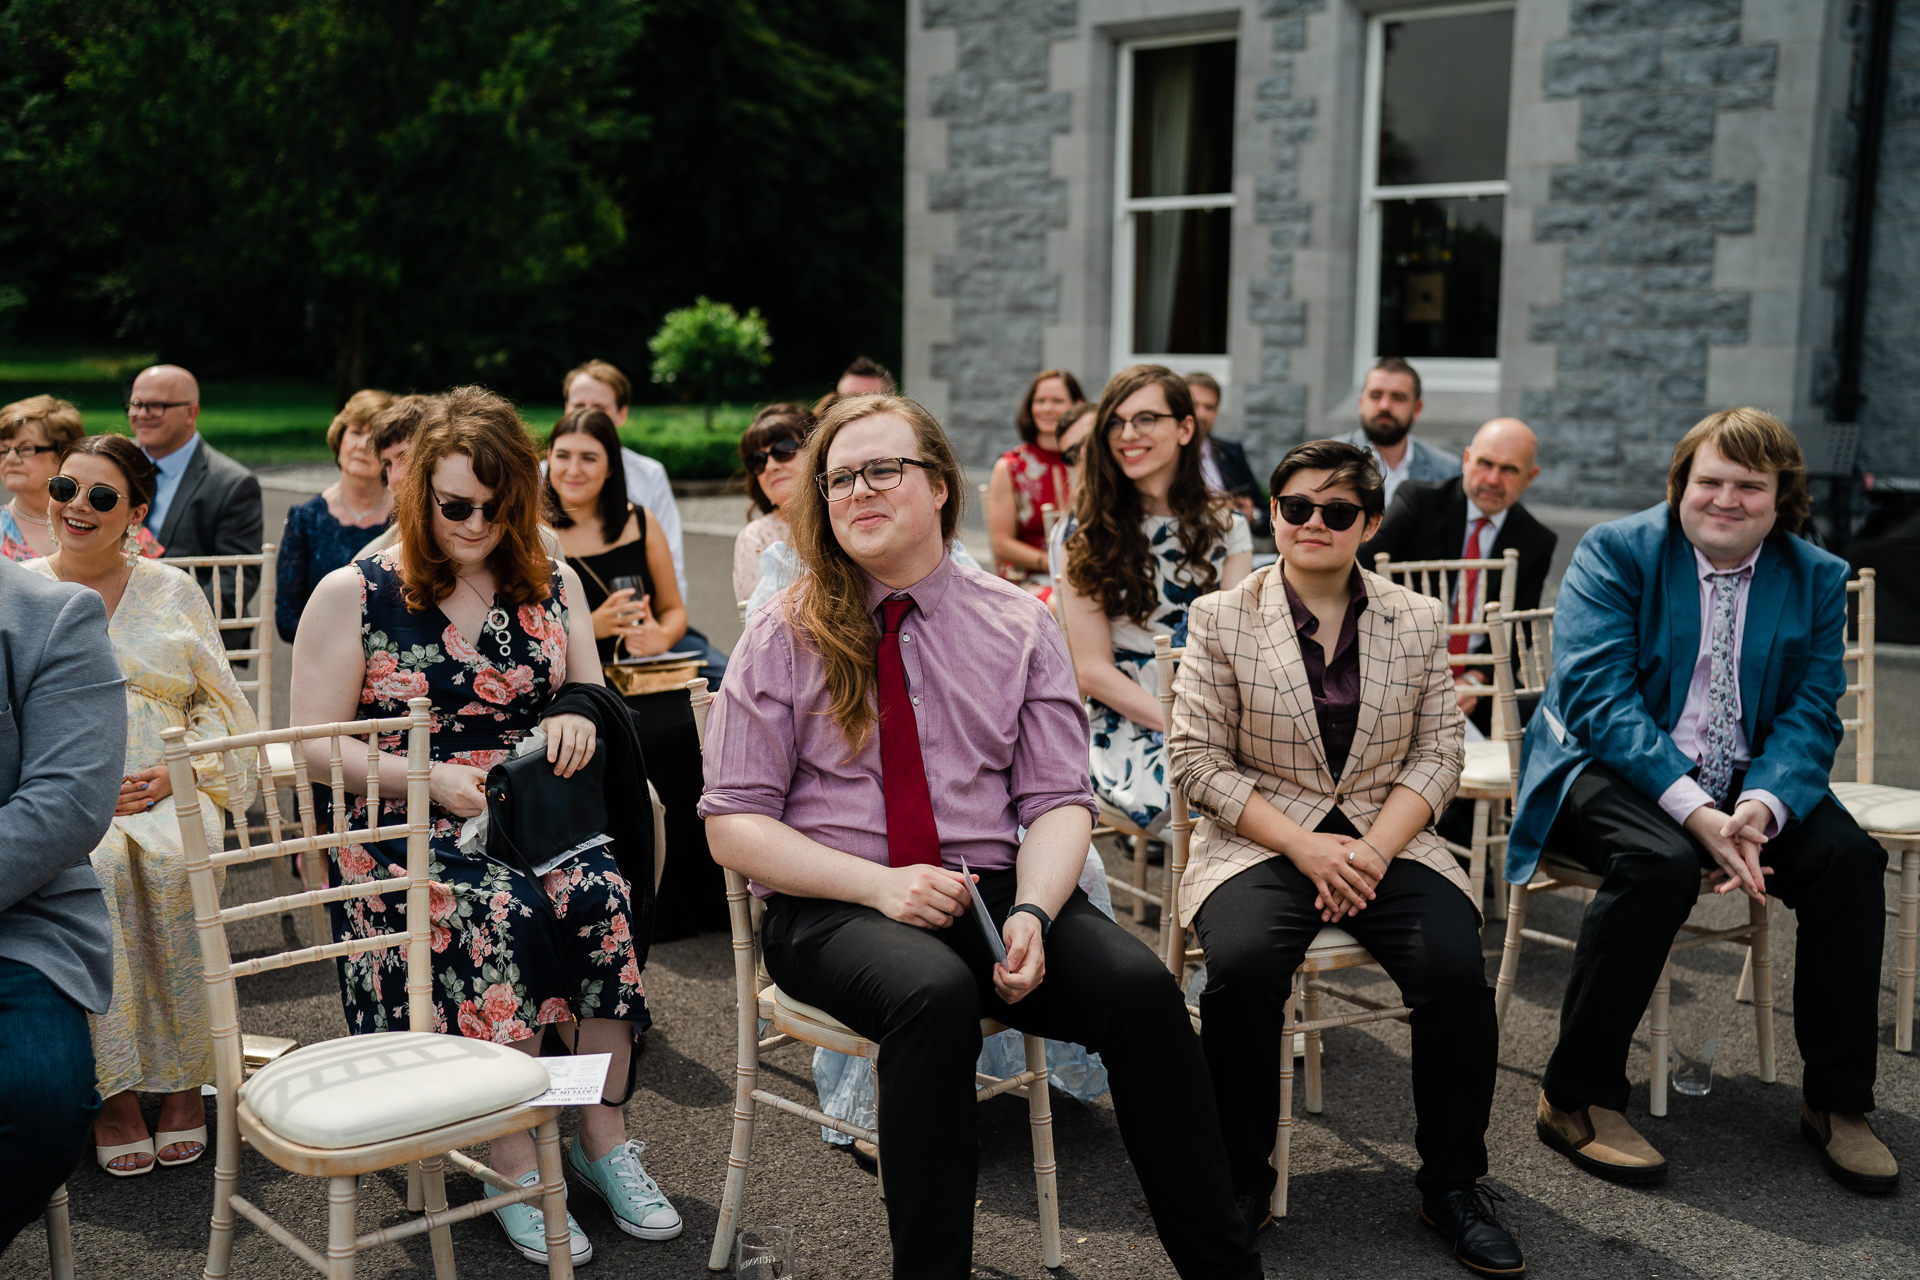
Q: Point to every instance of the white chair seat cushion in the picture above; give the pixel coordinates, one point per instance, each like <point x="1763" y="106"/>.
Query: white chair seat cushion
<point x="373" y="1088"/>
<point x="280" y="762"/>
<point x="1331" y="936"/>
<point x="1488" y="765"/>
<point x="1878" y="808"/>
<point x="795" y="1008"/>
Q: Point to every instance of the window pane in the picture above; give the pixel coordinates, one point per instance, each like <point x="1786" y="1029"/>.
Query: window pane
<point x="1180" y="282"/>
<point x="1443" y="99"/>
<point x="1183" y="120"/>
<point x="1440" y="277"/>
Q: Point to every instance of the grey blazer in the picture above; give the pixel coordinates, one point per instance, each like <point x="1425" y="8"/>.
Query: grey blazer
<point x="216" y="512"/>
<point x="1424" y="462"/>
<point x="63" y="749"/>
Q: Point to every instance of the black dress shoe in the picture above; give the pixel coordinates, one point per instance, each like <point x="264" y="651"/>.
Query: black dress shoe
<point x="1464" y="1217"/>
<point x="1256" y="1208"/>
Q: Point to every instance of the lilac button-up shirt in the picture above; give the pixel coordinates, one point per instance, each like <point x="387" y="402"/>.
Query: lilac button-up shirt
<point x="1002" y="729"/>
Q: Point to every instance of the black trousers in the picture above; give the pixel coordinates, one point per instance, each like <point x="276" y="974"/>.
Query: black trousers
<point x="1824" y="867"/>
<point x="920" y="994"/>
<point x="1256" y="929"/>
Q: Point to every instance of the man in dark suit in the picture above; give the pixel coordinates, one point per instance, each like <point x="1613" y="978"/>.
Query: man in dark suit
<point x="1476" y="515"/>
<point x="1224" y="464"/>
<point x="205" y="503"/>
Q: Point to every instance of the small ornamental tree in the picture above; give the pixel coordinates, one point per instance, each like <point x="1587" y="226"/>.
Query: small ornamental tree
<point x="709" y="351"/>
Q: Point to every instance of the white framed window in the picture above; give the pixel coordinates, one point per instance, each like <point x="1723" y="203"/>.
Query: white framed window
<point x="1433" y="192"/>
<point x="1173" y="203"/>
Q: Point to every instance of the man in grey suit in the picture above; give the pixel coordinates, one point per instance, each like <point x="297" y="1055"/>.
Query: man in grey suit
<point x="1389" y="405"/>
<point x="63" y="735"/>
<point x="205" y="503"/>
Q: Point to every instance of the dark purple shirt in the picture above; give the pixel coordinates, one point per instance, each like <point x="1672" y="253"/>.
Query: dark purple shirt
<point x="1335" y="684"/>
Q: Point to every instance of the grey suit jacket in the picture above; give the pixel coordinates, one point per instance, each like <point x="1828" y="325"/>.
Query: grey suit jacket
<point x="63" y="747"/>
<point x="216" y="512"/>
<point x="1424" y="462"/>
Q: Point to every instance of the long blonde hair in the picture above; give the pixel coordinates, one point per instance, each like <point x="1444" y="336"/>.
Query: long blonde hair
<point x="828" y="609"/>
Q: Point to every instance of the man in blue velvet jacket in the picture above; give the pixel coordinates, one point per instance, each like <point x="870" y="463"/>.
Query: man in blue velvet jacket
<point x="1690" y="725"/>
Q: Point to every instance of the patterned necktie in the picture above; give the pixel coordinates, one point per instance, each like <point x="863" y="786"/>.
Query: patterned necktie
<point x="1469" y="589"/>
<point x="912" y="837"/>
<point x="1723" y="693"/>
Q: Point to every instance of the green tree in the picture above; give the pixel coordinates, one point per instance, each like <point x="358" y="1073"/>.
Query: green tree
<point x="710" y="351"/>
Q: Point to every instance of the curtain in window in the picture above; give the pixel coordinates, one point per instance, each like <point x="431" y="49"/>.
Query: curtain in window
<point x="1172" y="107"/>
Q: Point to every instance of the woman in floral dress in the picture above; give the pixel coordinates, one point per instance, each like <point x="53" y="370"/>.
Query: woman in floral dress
<point x="1028" y="477"/>
<point x="467" y="610"/>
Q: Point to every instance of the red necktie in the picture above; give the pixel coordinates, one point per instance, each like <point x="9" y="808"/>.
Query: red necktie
<point x="1469" y="589"/>
<point x="912" y="837"/>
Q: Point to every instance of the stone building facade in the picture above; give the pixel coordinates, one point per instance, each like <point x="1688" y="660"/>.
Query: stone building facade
<point x="1605" y="216"/>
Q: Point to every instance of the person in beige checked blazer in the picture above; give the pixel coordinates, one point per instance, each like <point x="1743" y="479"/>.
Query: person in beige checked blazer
<point x="1316" y="729"/>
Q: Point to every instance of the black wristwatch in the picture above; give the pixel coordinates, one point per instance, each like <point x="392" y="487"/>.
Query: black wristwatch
<point x="1046" y="921"/>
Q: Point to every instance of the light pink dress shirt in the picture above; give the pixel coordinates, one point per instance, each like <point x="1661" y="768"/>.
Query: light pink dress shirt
<point x="1685" y="795"/>
<point x="1002" y="729"/>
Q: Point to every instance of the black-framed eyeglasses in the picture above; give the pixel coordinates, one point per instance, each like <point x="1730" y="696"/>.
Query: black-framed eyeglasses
<point x="1143" y="423"/>
<point x="1071" y="454"/>
<point x="881" y="474"/>
<point x="101" y="497"/>
<point x="459" y="510"/>
<point x="137" y="407"/>
<point x="781" y="451"/>
<point x="25" y="450"/>
<point x="1337" y="516"/>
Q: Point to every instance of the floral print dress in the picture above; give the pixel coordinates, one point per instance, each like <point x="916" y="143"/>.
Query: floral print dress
<point x="1039" y="477"/>
<point x="1129" y="760"/>
<point x="501" y="970"/>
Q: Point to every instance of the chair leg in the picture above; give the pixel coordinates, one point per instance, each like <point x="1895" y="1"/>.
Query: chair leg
<point x="1477" y="853"/>
<point x="1139" y="879"/>
<point x="746" y="1080"/>
<point x="226" y="1179"/>
<point x="416" y="1194"/>
<point x="1283" y="1137"/>
<point x="1760" y="952"/>
<point x="433" y="1180"/>
<point x="283" y="887"/>
<point x="341" y="1197"/>
<point x="1497" y="896"/>
<point x="1046" y="1177"/>
<point x="1908" y="943"/>
<point x="1662" y="1038"/>
<point x="1312" y="1003"/>
<point x="1510" y="952"/>
<point x="1743" y="994"/>
<point x="59" y="1236"/>
<point x="553" y="1201"/>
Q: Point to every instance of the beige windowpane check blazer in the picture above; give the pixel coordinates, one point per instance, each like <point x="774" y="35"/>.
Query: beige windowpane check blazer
<point x="1243" y="721"/>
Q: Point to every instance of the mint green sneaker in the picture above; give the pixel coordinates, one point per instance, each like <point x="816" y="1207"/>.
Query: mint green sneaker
<point x="639" y="1206"/>
<point x="526" y="1228"/>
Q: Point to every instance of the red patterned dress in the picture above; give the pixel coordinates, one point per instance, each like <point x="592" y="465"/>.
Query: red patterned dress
<point x="1039" y="477"/>
<point x="500" y="970"/>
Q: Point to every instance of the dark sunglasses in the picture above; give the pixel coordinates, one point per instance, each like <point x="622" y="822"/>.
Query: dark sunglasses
<point x="1337" y="516"/>
<point x="459" y="511"/>
<point x="100" y="497"/>
<point x="782" y="451"/>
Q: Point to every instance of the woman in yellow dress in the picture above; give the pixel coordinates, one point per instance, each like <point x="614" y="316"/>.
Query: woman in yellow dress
<point x="155" y="1038"/>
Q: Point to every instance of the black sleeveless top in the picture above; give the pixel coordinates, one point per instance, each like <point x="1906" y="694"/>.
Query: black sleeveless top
<point x="629" y="560"/>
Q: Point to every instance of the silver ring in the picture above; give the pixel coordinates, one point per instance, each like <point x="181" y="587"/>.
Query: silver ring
<point x="1349" y="856"/>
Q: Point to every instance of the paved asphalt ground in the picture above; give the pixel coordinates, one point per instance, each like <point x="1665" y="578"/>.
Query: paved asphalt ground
<point x="1746" y="1197"/>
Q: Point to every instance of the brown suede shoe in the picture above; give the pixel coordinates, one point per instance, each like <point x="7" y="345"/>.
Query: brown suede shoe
<point x="1854" y="1154"/>
<point x="1601" y="1142"/>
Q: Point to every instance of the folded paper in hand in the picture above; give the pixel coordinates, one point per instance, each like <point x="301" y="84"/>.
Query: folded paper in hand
<point x="994" y="943"/>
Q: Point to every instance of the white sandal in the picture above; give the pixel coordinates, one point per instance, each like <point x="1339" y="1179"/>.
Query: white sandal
<point x="173" y="1137"/>
<point x="105" y="1156"/>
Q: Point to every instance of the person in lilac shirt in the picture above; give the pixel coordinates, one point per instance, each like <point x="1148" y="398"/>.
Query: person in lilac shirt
<point x="796" y="799"/>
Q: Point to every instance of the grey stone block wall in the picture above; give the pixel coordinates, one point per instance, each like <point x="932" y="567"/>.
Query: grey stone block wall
<point x="1274" y="408"/>
<point x="1890" y="374"/>
<point x="1641" y="216"/>
<point x="1001" y="119"/>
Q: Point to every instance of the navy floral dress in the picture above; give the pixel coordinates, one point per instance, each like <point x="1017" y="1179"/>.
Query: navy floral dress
<point x="501" y="971"/>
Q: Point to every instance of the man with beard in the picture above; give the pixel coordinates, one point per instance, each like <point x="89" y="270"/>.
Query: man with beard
<point x="1389" y="404"/>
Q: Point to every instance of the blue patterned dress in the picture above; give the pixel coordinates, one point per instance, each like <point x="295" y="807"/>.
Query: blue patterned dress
<point x="500" y="971"/>
<point x="1129" y="760"/>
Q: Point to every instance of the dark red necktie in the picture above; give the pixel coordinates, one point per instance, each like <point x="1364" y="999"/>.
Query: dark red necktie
<point x="1469" y="588"/>
<point x="912" y="837"/>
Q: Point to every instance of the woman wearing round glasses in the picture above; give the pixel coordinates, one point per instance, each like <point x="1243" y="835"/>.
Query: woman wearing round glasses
<point x="770" y="451"/>
<point x="1028" y="477"/>
<point x="33" y="434"/>
<point x="1316" y="729"/>
<point x="469" y="611"/>
<point x="1150" y="540"/>
<point x="156" y="1037"/>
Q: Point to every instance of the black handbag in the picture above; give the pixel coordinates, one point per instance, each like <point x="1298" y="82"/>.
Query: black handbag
<point x="534" y="816"/>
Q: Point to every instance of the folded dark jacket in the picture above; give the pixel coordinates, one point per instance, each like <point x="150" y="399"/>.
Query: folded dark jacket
<point x="629" y="808"/>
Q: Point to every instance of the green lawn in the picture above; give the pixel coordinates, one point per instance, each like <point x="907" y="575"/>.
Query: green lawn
<point x="286" y="422"/>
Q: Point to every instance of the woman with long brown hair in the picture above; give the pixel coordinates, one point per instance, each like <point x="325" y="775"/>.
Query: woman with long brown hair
<point x="1150" y="540"/>
<point x="1028" y="477"/>
<point x="468" y="610"/>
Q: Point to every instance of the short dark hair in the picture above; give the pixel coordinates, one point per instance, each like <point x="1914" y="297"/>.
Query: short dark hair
<point x="782" y="420"/>
<point x="1023" y="417"/>
<point x="143" y="477"/>
<point x="401" y="420"/>
<point x="1394" y="364"/>
<point x="866" y="367"/>
<point x="599" y="371"/>
<point x="1207" y="380"/>
<point x="1349" y="464"/>
<point x="1758" y="441"/>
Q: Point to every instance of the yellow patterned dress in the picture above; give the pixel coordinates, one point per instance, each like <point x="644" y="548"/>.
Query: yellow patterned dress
<point x="155" y="1038"/>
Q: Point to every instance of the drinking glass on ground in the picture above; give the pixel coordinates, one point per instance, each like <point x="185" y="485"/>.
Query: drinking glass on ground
<point x="764" y="1253"/>
<point x="1693" y="1065"/>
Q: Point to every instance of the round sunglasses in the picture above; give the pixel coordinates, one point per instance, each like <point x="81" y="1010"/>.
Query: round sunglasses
<point x="781" y="451"/>
<point x="100" y="497"/>
<point x="1337" y="516"/>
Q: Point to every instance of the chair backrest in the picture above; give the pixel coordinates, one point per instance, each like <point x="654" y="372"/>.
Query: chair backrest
<point x="204" y="844"/>
<point x="1446" y="581"/>
<point x="741" y="605"/>
<point x="257" y="626"/>
<point x="1522" y="639"/>
<point x="1860" y="654"/>
<point x="1179" y="822"/>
